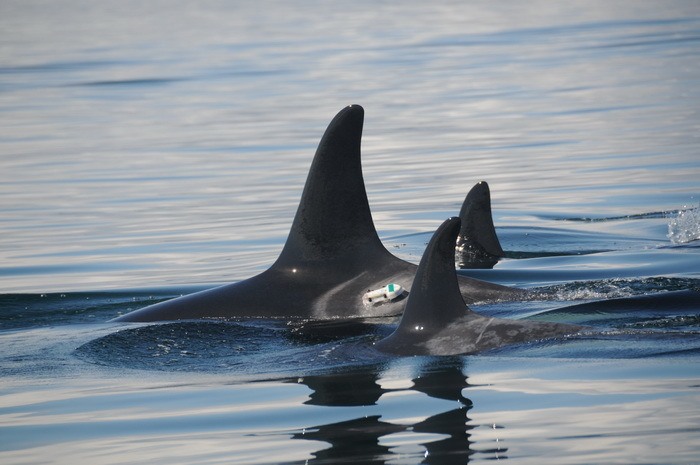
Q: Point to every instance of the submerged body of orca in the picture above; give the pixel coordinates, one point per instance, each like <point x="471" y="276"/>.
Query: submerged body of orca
<point x="436" y="320"/>
<point x="333" y="254"/>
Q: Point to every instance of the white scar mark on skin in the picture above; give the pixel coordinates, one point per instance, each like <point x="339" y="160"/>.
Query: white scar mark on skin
<point x="482" y="331"/>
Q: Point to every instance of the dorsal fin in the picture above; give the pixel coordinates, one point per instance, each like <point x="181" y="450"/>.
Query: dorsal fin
<point x="435" y="298"/>
<point x="477" y="240"/>
<point x="333" y="217"/>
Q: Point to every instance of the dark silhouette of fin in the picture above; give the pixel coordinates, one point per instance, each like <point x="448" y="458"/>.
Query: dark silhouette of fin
<point x="435" y="299"/>
<point x="477" y="243"/>
<point x="333" y="217"/>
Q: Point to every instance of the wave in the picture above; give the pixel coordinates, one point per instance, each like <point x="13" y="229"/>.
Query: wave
<point x="252" y="348"/>
<point x="614" y="288"/>
<point x="637" y="216"/>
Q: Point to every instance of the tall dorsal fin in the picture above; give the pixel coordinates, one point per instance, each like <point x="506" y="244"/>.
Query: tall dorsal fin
<point x="333" y="217"/>
<point x="477" y="241"/>
<point x="435" y="298"/>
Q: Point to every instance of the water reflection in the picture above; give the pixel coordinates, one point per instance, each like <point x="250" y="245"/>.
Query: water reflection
<point x="345" y="389"/>
<point x="443" y="381"/>
<point x="367" y="439"/>
<point x="454" y="449"/>
<point x="353" y="441"/>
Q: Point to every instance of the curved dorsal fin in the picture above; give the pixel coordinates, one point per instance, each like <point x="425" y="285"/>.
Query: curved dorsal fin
<point x="333" y="217"/>
<point x="477" y="241"/>
<point x="435" y="298"/>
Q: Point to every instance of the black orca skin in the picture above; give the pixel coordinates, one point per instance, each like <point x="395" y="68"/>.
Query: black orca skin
<point x="332" y="256"/>
<point x="477" y="243"/>
<point x="436" y="320"/>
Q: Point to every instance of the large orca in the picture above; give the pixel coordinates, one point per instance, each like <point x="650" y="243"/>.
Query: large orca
<point x="436" y="320"/>
<point x="332" y="256"/>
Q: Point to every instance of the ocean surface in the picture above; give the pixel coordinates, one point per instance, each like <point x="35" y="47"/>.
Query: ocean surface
<point x="151" y="149"/>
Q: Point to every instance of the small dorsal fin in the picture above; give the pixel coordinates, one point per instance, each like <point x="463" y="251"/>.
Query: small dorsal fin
<point x="435" y="298"/>
<point x="477" y="241"/>
<point x="333" y="217"/>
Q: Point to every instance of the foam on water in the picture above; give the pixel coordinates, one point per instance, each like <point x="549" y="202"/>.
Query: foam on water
<point x="685" y="226"/>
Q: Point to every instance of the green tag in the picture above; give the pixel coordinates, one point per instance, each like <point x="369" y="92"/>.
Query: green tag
<point x="390" y="287"/>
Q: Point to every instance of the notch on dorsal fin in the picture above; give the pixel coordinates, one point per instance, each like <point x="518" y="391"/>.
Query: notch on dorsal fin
<point x="435" y="298"/>
<point x="333" y="217"/>
<point x="477" y="243"/>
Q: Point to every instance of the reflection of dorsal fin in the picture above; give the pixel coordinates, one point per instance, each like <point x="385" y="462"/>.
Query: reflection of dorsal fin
<point x="435" y="299"/>
<point x="333" y="217"/>
<point x="477" y="240"/>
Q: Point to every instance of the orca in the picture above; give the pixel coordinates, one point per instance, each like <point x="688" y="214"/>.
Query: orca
<point x="437" y="321"/>
<point x="477" y="243"/>
<point x="331" y="258"/>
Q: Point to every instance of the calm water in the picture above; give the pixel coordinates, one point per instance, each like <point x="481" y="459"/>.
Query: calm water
<point x="151" y="149"/>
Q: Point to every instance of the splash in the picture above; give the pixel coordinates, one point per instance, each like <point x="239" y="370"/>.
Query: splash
<point x="685" y="226"/>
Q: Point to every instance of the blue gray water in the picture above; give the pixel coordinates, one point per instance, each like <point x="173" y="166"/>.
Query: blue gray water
<point x="149" y="149"/>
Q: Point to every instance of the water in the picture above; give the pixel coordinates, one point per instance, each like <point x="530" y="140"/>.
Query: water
<point x="151" y="149"/>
